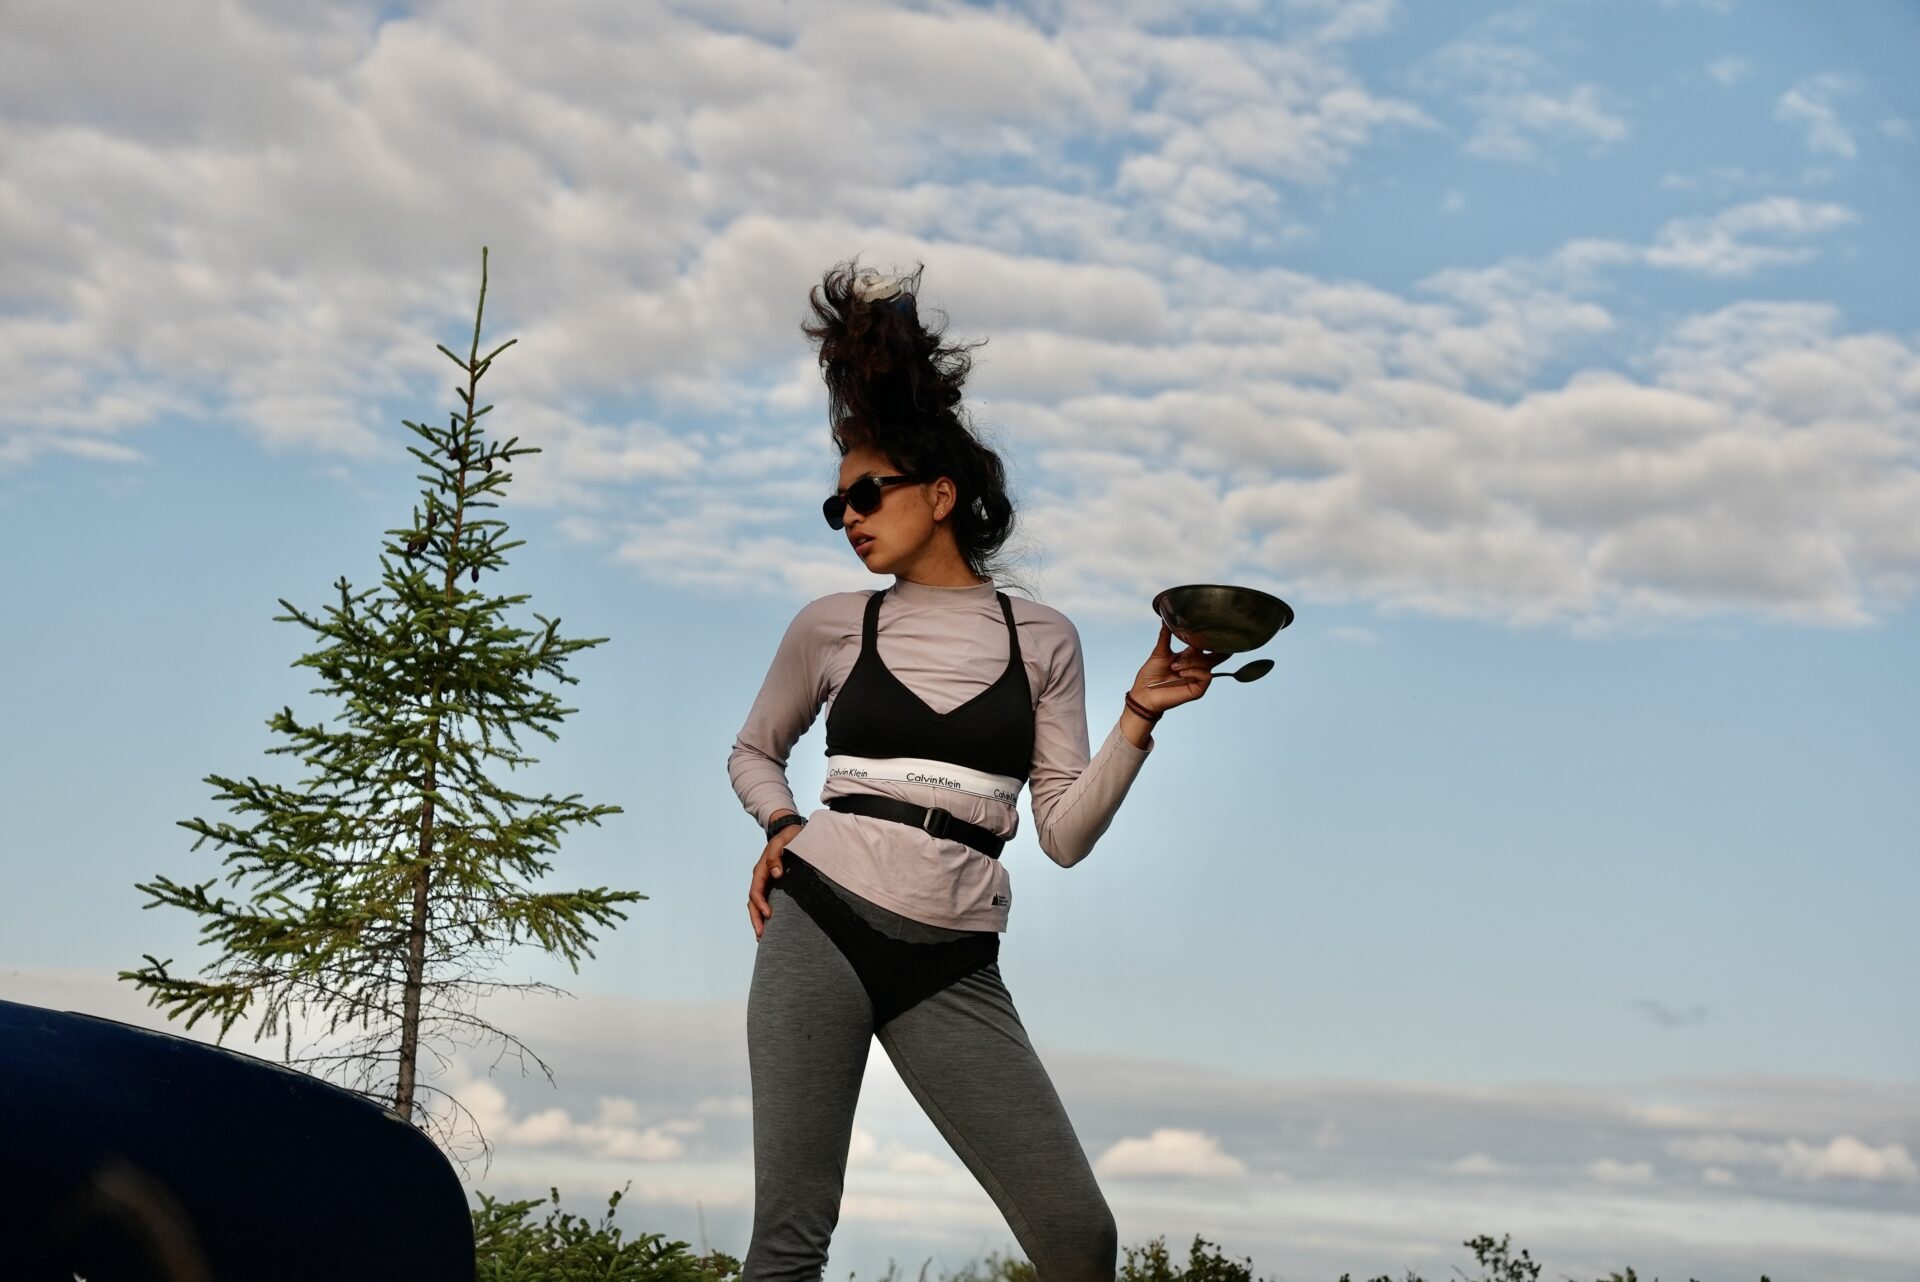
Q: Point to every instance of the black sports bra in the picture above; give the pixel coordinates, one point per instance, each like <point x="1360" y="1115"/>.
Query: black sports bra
<point x="875" y="715"/>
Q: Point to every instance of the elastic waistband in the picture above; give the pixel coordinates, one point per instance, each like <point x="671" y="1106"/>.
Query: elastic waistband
<point x="931" y="774"/>
<point x="934" y="821"/>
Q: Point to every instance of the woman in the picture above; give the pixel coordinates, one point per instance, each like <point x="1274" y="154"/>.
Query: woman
<point x="880" y="913"/>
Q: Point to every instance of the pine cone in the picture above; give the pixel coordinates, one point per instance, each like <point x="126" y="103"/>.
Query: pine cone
<point x="476" y="574"/>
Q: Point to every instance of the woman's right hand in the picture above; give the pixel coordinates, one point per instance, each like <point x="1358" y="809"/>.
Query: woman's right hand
<point x="766" y="872"/>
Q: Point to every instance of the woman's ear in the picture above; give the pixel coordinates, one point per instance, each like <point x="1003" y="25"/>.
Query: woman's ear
<point x="945" y="495"/>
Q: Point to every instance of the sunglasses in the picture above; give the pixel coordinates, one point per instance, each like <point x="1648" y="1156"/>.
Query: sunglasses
<point x="863" y="496"/>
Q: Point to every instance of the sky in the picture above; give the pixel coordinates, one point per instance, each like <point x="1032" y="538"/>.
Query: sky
<point x="1558" y="363"/>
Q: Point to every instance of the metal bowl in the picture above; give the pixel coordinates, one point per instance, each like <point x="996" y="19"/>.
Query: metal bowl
<point x="1215" y="616"/>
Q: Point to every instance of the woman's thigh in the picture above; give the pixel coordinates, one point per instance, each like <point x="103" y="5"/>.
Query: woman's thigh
<point x="965" y="1056"/>
<point x="809" y="1028"/>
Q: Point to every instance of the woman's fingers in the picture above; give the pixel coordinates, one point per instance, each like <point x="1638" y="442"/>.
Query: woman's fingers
<point x="765" y="872"/>
<point x="1193" y="658"/>
<point x="758" y="909"/>
<point x="1193" y="669"/>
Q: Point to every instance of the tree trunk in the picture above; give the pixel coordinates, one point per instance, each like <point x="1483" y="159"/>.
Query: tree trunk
<point x="416" y="980"/>
<point x="417" y="928"/>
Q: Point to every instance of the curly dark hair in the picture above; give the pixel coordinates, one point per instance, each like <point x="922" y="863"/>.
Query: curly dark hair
<point x="892" y="384"/>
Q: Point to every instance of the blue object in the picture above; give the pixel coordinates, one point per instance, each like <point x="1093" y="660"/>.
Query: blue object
<point x="133" y="1156"/>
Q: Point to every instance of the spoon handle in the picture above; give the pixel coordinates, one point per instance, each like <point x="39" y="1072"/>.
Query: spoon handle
<point x="1247" y="672"/>
<point x="1170" y="680"/>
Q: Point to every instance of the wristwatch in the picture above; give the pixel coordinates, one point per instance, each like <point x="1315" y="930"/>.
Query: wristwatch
<point x="787" y="820"/>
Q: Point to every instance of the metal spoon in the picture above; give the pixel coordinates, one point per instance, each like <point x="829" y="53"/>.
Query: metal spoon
<point x="1252" y="672"/>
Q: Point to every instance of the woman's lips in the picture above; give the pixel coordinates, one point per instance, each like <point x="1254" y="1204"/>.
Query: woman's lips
<point x="861" y="544"/>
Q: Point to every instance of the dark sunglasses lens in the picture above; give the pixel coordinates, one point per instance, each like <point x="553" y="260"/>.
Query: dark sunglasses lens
<point x="864" y="495"/>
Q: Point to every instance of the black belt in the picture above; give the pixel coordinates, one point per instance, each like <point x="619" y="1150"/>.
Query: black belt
<point x="933" y="820"/>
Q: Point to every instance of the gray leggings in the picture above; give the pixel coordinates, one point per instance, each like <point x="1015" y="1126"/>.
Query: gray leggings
<point x="964" y="1055"/>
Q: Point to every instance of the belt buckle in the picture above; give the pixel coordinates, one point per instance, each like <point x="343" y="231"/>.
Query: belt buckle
<point x="935" y="821"/>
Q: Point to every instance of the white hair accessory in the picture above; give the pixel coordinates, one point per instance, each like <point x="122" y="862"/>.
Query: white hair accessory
<point x="872" y="287"/>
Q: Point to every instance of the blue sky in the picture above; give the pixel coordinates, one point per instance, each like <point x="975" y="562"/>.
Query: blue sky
<point x="1558" y="363"/>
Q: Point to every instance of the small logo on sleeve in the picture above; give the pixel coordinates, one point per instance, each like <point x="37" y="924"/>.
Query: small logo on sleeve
<point x="1001" y="901"/>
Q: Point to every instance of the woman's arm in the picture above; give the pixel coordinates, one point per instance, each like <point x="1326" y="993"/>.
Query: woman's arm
<point x="1074" y="797"/>
<point x="789" y="699"/>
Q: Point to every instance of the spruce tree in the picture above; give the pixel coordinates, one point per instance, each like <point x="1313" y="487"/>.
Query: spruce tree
<point x="381" y="893"/>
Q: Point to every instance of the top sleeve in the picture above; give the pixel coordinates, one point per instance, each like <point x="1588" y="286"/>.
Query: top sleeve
<point x="788" y="701"/>
<point x="1073" y="797"/>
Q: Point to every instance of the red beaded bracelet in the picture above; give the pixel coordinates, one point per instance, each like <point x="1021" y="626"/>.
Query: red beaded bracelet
<point x="1139" y="709"/>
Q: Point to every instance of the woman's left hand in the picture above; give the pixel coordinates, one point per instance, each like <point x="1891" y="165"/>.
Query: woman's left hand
<point x="1192" y="664"/>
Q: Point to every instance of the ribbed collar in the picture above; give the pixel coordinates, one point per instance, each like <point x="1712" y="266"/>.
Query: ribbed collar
<point x="925" y="594"/>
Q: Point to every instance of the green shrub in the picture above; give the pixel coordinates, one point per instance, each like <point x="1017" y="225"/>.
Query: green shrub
<point x="563" y="1247"/>
<point x="510" y="1247"/>
<point x="995" y="1268"/>
<point x="1151" y="1263"/>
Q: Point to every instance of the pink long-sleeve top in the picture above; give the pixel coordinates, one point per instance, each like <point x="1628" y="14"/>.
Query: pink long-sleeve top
<point x="946" y="645"/>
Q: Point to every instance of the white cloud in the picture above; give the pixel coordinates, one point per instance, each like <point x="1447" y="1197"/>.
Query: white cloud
<point x="1745" y="238"/>
<point x="1609" y="1171"/>
<point x="651" y="184"/>
<point x="1521" y="104"/>
<point x="578" y="460"/>
<point x="1222" y="126"/>
<point x="1513" y="126"/>
<point x="1729" y="70"/>
<point x="1844" y="1157"/>
<point x="1809" y="104"/>
<point x="1169" y="1151"/>
<point x="1350" y="436"/>
<point x="1348" y="19"/>
<point x="893" y="1157"/>
<point x="973" y="64"/>
<point x="615" y="1132"/>
<point x="1719" y="180"/>
<point x="1604" y="497"/>
<point x="1899" y="129"/>
<point x="1477" y="1164"/>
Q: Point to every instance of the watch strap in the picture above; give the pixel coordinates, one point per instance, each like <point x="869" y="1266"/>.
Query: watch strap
<point x="787" y="820"/>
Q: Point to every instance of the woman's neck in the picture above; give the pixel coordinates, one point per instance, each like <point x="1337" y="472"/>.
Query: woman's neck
<point x="965" y="579"/>
<point x="940" y="566"/>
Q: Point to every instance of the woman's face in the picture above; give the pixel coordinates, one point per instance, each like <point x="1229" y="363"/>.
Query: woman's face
<point x="898" y="533"/>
